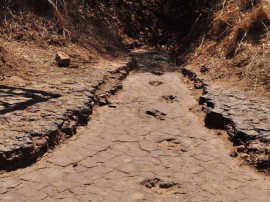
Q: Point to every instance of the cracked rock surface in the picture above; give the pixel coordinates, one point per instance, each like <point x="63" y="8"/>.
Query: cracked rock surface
<point x="38" y="113"/>
<point x="250" y="117"/>
<point x="126" y="155"/>
<point x="246" y="120"/>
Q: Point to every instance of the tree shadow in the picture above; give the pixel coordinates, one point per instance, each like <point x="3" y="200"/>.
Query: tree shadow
<point x="154" y="61"/>
<point x="15" y="98"/>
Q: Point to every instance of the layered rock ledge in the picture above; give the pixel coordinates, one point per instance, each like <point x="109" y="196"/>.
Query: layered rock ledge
<point x="38" y="115"/>
<point x="247" y="120"/>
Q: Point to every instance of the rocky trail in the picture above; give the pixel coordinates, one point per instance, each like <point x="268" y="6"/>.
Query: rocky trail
<point x="147" y="145"/>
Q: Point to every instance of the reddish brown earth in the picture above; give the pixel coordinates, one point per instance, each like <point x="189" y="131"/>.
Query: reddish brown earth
<point x="145" y="146"/>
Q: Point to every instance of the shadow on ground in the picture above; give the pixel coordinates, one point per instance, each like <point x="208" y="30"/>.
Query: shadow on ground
<point x="14" y="98"/>
<point x="153" y="61"/>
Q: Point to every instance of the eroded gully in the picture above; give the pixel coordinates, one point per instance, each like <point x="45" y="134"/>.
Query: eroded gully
<point x="146" y="146"/>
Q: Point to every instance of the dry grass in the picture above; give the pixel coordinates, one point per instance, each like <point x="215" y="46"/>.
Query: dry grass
<point x="245" y="5"/>
<point x="32" y="31"/>
<point x="250" y="27"/>
<point x="61" y="19"/>
<point x="236" y="47"/>
<point x="238" y="21"/>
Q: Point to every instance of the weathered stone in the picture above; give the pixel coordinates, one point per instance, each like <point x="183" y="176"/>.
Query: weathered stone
<point x="247" y="116"/>
<point x="198" y="84"/>
<point x="256" y="147"/>
<point x="36" y="118"/>
<point x="267" y="150"/>
<point x="244" y="156"/>
<point x="69" y="127"/>
<point x="40" y="142"/>
<point x="241" y="148"/>
<point x="62" y="59"/>
<point x="233" y="154"/>
<point x="245" y="119"/>
<point x="204" y="69"/>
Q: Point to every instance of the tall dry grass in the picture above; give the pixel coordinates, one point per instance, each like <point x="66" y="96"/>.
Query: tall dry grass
<point x="239" y="21"/>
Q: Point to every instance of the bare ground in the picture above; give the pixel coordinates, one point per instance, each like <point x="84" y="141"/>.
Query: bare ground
<point x="147" y="145"/>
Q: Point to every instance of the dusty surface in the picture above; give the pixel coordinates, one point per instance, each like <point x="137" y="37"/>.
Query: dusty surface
<point x="147" y="145"/>
<point x="41" y="109"/>
<point x="246" y="120"/>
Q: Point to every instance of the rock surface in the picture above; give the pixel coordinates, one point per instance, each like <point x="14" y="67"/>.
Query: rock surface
<point x="62" y="59"/>
<point x="126" y="155"/>
<point x="247" y="120"/>
<point x="40" y="114"/>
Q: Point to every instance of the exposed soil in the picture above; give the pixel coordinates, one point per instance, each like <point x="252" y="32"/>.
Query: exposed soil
<point x="234" y="48"/>
<point x="249" y="80"/>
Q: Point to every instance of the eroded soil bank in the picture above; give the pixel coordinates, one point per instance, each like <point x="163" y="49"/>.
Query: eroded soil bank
<point x="145" y="145"/>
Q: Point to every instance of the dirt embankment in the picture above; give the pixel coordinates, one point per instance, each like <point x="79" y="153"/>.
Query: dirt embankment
<point x="32" y="32"/>
<point x="234" y="46"/>
<point x="230" y="37"/>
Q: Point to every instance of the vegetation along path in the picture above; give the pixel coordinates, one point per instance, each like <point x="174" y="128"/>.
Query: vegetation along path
<point x="145" y="146"/>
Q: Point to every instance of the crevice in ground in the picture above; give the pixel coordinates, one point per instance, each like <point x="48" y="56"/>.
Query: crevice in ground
<point x="39" y="144"/>
<point x="246" y="120"/>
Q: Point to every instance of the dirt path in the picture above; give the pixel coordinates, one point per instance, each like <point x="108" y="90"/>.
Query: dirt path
<point x="146" y="146"/>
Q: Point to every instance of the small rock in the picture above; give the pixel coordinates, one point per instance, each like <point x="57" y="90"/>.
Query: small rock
<point x="112" y="106"/>
<point x="167" y="185"/>
<point x="69" y="127"/>
<point x="219" y="133"/>
<point x="267" y="150"/>
<point x="155" y="83"/>
<point x="198" y="84"/>
<point x="233" y="154"/>
<point x="150" y="182"/>
<point x="204" y="69"/>
<point x="157" y="114"/>
<point x="40" y="142"/>
<point x="241" y="148"/>
<point x="158" y="73"/>
<point x="257" y="147"/>
<point x="243" y="156"/>
<point x="62" y="59"/>
<point x="103" y="101"/>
